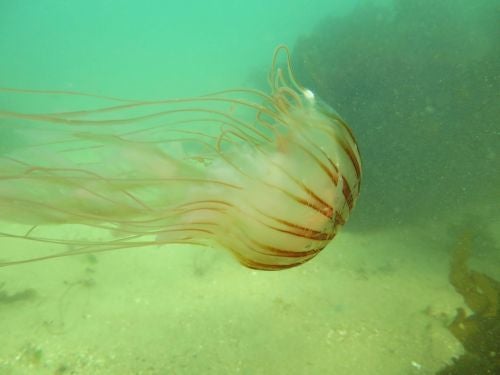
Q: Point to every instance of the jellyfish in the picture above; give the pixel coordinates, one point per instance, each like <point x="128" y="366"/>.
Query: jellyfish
<point x="268" y="176"/>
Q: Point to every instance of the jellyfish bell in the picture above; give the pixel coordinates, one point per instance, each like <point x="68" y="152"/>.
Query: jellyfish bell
<point x="270" y="177"/>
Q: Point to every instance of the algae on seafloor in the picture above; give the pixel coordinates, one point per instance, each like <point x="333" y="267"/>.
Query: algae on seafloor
<point x="24" y="295"/>
<point x="479" y="332"/>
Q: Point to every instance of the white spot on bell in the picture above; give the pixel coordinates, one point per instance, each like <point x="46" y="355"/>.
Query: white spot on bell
<point x="308" y="94"/>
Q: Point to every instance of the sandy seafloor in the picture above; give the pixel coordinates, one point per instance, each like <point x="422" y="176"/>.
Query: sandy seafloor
<point x="371" y="303"/>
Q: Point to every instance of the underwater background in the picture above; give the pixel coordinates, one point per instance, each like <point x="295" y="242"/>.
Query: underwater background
<point x="409" y="286"/>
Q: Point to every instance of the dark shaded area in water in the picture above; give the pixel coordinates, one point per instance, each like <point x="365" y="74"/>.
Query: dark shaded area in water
<point x="419" y="83"/>
<point x="12" y="297"/>
<point x="479" y="332"/>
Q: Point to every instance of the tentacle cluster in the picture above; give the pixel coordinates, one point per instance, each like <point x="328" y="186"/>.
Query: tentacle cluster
<point x="268" y="176"/>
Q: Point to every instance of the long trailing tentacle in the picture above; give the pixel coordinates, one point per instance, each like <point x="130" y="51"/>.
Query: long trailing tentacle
<point x="276" y="77"/>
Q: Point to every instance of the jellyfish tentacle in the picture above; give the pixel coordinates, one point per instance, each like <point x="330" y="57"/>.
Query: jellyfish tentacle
<point x="275" y="70"/>
<point x="63" y="92"/>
